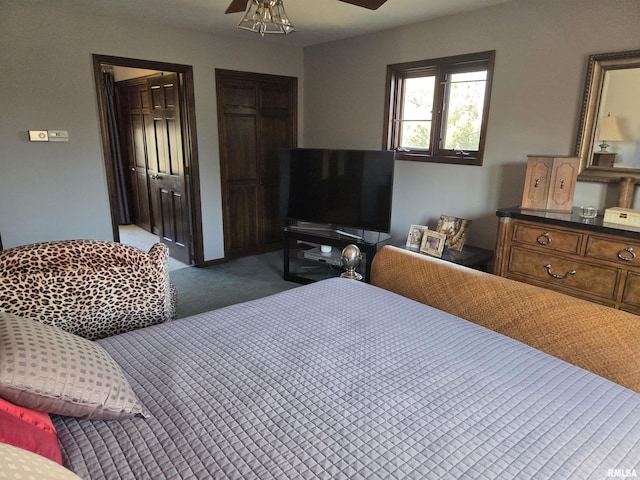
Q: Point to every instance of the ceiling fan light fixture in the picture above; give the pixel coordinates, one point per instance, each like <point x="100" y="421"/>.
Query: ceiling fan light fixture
<point x="266" y="17"/>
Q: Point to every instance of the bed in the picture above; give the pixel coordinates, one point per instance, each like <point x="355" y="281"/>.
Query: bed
<point x="346" y="380"/>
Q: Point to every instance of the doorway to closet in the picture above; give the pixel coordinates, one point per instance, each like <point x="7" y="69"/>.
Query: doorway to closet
<point x="151" y="154"/>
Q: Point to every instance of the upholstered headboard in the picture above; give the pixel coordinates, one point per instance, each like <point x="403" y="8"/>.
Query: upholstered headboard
<point x="594" y="337"/>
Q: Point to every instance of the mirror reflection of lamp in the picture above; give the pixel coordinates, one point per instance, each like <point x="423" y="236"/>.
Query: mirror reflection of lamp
<point x="609" y="131"/>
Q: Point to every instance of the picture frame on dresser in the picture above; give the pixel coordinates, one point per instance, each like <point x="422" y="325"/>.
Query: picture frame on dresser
<point x="433" y="243"/>
<point x="414" y="239"/>
<point x="455" y="230"/>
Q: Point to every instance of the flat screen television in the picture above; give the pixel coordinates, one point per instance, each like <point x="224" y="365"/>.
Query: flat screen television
<point x="338" y="188"/>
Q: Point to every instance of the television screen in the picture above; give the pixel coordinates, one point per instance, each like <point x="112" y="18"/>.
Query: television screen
<point x="343" y="188"/>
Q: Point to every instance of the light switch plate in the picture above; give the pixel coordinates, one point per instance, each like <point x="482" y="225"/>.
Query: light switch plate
<point x="38" y="136"/>
<point x="58" y="135"/>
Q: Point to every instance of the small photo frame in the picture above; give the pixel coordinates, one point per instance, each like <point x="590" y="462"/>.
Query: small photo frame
<point x="414" y="240"/>
<point x="433" y="243"/>
<point x="455" y="229"/>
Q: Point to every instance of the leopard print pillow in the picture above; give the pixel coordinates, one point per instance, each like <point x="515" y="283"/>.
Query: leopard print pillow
<point x="90" y="288"/>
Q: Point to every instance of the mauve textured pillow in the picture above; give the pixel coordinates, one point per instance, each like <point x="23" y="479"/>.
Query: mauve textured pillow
<point x="50" y="370"/>
<point x="24" y="465"/>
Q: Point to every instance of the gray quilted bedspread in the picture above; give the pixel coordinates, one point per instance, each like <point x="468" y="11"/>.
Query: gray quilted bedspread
<point x="340" y="380"/>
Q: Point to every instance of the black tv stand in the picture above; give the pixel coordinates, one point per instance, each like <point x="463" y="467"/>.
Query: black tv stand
<point x="326" y="229"/>
<point x="347" y="234"/>
<point x="303" y="265"/>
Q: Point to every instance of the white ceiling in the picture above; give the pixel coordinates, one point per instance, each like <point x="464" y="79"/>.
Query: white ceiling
<point x="316" y="21"/>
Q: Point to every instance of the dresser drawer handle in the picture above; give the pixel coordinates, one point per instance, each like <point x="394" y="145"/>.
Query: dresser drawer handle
<point x="555" y="275"/>
<point x="544" y="239"/>
<point x="627" y="255"/>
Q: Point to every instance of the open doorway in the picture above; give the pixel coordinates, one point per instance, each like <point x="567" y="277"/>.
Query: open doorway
<point x="138" y="237"/>
<point x="169" y="169"/>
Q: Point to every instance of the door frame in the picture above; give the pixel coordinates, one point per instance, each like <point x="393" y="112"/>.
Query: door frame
<point x="189" y="142"/>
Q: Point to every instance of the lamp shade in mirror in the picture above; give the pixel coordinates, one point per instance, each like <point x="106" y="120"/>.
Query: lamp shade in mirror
<point x="608" y="131"/>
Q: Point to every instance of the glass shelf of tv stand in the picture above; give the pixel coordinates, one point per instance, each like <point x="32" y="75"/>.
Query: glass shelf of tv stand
<point x="305" y="263"/>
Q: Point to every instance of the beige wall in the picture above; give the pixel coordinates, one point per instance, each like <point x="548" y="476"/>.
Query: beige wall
<point x="541" y="54"/>
<point x="58" y="190"/>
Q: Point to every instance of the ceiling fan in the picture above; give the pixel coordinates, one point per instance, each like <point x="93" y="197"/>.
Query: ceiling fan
<point x="268" y="16"/>
<point x="237" y="6"/>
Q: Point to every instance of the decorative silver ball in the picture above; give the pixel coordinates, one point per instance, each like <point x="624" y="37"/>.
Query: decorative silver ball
<point x="351" y="256"/>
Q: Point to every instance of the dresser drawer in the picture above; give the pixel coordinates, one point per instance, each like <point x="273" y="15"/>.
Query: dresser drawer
<point x="619" y="251"/>
<point x="552" y="239"/>
<point x="555" y="272"/>
<point x="631" y="294"/>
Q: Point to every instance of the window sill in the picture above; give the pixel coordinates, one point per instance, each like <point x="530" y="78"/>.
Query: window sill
<point x="453" y="159"/>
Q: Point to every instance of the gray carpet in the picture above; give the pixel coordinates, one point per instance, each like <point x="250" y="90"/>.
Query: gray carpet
<point x="240" y="280"/>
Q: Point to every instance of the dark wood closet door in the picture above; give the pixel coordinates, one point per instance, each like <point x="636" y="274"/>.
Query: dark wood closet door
<point x="133" y="103"/>
<point x="257" y="119"/>
<point x="151" y="129"/>
<point x="166" y="167"/>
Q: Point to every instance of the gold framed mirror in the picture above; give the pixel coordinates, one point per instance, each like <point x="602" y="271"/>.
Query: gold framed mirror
<point x="608" y="141"/>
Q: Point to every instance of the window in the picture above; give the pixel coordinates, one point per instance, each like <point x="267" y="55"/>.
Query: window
<point x="437" y="110"/>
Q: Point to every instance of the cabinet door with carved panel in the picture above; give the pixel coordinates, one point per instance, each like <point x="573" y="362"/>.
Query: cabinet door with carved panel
<point x="550" y="183"/>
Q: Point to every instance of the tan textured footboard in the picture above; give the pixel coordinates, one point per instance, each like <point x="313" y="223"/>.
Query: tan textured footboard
<point x="597" y="338"/>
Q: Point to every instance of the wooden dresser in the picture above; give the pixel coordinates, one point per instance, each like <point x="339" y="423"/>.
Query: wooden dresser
<point x="581" y="257"/>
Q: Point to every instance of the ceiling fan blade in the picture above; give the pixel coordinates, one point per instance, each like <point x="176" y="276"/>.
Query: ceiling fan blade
<point x="236" y="6"/>
<point x="370" y="4"/>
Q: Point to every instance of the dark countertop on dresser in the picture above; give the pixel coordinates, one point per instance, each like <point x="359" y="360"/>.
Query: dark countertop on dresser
<point x="571" y="220"/>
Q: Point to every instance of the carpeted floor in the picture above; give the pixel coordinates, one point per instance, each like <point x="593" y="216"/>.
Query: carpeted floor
<point x="240" y="280"/>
